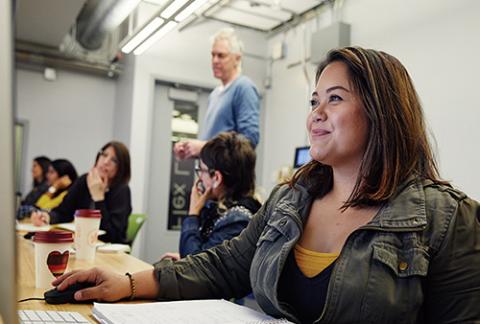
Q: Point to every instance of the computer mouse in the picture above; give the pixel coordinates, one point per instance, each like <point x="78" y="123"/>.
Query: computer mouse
<point x="53" y="296"/>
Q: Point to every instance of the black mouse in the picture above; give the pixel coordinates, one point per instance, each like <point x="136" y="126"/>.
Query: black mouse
<point x="53" y="296"/>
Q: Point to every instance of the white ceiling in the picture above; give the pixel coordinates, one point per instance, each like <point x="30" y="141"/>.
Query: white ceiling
<point x="262" y="15"/>
<point x="45" y="22"/>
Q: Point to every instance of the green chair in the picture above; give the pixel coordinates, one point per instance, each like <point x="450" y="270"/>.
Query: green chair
<point x="135" y="222"/>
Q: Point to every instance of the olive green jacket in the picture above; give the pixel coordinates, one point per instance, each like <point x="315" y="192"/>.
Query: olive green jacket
<point x="417" y="261"/>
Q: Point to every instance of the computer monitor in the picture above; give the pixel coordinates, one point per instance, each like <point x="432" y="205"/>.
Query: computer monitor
<point x="8" y="296"/>
<point x="302" y="156"/>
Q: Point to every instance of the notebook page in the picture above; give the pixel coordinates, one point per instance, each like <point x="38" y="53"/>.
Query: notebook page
<point x="212" y="311"/>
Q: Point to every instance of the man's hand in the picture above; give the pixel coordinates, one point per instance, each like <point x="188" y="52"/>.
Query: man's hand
<point x="179" y="150"/>
<point x="188" y="149"/>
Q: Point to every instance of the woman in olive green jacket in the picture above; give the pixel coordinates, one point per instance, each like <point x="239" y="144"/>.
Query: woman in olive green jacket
<point x="365" y="232"/>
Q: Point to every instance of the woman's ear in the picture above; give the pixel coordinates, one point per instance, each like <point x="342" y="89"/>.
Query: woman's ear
<point x="217" y="179"/>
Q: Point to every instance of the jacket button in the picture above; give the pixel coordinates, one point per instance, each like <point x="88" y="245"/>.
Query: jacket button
<point x="402" y="266"/>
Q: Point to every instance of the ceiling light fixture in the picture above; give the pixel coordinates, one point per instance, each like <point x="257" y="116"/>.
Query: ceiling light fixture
<point x="142" y="35"/>
<point x="155" y="37"/>
<point x="189" y="10"/>
<point x="172" y="8"/>
<point x="157" y="27"/>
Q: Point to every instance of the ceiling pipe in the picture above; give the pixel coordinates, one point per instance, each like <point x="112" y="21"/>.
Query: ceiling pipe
<point x="36" y="57"/>
<point x="99" y="17"/>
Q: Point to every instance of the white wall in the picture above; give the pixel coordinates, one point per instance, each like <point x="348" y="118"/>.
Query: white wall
<point x="70" y="118"/>
<point x="438" y="43"/>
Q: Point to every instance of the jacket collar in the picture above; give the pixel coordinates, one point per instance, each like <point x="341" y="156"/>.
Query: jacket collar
<point x="405" y="211"/>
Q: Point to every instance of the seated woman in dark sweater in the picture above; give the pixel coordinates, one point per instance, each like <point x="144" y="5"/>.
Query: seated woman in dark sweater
<point x="221" y="202"/>
<point x="104" y="187"/>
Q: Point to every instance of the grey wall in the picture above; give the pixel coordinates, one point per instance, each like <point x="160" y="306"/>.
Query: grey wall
<point x="123" y="101"/>
<point x="71" y="117"/>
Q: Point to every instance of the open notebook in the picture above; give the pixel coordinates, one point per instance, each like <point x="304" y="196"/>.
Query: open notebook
<point x="210" y="311"/>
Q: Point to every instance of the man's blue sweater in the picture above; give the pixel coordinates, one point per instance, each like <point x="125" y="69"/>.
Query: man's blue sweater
<point x="234" y="108"/>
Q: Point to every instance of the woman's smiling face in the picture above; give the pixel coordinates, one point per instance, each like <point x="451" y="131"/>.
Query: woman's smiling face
<point x="337" y="125"/>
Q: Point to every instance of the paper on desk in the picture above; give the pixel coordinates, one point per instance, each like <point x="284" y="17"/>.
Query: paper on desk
<point x="32" y="228"/>
<point x="113" y="248"/>
<point x="210" y="311"/>
<point x="63" y="226"/>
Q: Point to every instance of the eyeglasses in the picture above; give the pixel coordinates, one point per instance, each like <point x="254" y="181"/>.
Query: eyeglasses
<point x="104" y="155"/>
<point x="198" y="169"/>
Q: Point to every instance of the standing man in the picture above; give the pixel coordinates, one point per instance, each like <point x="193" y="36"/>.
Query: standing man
<point x="232" y="106"/>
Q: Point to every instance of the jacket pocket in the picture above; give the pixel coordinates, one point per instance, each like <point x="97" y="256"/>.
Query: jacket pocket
<point x="403" y="263"/>
<point x="267" y="256"/>
<point x="271" y="232"/>
<point x="394" y="292"/>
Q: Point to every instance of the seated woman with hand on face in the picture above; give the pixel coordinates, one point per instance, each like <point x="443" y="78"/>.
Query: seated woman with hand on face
<point x="221" y="202"/>
<point x="366" y="232"/>
<point x="60" y="176"/>
<point x="105" y="187"/>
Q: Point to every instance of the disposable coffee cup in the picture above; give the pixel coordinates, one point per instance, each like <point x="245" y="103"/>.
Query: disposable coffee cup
<point x="87" y="224"/>
<point x="51" y="256"/>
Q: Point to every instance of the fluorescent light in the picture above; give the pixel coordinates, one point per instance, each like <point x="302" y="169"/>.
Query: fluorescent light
<point x="142" y="35"/>
<point x="172" y="8"/>
<point x="190" y="9"/>
<point x="155" y="37"/>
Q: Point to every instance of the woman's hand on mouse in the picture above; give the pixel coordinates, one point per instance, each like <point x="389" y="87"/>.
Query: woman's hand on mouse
<point x="109" y="286"/>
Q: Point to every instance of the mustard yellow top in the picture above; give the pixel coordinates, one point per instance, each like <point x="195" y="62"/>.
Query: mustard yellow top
<point x="45" y="202"/>
<point x="311" y="263"/>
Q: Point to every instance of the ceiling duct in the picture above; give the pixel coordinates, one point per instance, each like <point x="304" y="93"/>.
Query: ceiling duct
<point x="98" y="18"/>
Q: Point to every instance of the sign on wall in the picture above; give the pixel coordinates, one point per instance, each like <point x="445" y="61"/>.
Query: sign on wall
<point x="181" y="181"/>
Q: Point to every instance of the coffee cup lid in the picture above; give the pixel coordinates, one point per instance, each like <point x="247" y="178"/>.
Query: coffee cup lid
<point x="94" y="213"/>
<point x="53" y="237"/>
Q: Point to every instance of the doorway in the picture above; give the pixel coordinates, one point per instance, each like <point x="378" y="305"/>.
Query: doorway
<point x="178" y="111"/>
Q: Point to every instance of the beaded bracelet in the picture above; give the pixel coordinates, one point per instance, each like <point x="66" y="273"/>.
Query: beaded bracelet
<point x="133" y="287"/>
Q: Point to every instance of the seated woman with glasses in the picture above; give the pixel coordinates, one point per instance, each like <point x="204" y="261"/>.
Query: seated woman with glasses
<point x="221" y="202"/>
<point x="104" y="187"/>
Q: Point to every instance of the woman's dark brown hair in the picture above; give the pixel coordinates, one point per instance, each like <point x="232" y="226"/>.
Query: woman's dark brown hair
<point x="397" y="144"/>
<point x="44" y="163"/>
<point x="234" y="157"/>
<point x="123" y="157"/>
<point x="64" y="167"/>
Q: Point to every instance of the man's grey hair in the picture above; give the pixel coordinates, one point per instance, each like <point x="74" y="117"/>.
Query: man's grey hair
<point x="228" y="34"/>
